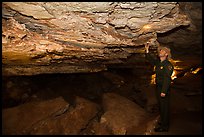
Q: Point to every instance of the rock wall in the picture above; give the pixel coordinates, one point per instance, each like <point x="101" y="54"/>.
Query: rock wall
<point x="74" y="37"/>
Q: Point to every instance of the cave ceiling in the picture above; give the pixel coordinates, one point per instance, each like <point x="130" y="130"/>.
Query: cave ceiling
<point x="75" y="37"/>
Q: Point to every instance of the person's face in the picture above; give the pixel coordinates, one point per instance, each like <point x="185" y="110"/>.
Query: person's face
<point x="162" y="53"/>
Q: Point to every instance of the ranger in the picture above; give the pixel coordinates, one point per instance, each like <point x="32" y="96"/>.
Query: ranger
<point x="164" y="70"/>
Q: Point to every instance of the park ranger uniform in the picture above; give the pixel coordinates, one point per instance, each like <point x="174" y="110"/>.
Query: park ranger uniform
<point x="163" y="72"/>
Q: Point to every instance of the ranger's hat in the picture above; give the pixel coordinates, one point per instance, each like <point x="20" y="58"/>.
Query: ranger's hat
<point x="166" y="49"/>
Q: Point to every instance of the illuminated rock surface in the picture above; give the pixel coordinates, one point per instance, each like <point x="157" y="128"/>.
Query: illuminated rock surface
<point x="51" y="37"/>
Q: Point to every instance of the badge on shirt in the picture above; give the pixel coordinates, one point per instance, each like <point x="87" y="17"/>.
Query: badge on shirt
<point x="170" y="67"/>
<point x="161" y="67"/>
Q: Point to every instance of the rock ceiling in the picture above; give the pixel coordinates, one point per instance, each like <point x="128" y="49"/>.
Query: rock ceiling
<point x="74" y="37"/>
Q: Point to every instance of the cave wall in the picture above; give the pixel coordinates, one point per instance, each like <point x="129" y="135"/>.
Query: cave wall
<point x="74" y="37"/>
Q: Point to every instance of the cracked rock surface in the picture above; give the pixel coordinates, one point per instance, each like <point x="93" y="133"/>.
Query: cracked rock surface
<point x="74" y="37"/>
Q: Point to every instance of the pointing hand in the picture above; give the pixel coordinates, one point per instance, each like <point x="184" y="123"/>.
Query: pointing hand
<point x="147" y="47"/>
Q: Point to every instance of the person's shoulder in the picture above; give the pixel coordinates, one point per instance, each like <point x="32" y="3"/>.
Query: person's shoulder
<point x="169" y="65"/>
<point x="167" y="62"/>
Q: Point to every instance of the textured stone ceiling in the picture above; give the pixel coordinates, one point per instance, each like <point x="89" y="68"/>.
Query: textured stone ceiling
<point x="73" y="37"/>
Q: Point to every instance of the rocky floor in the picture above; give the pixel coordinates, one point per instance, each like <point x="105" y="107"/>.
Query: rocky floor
<point x="114" y="102"/>
<point x="184" y="123"/>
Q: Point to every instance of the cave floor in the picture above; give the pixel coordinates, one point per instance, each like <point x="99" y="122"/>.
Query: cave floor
<point x="184" y="123"/>
<point x="186" y="108"/>
<point x="186" y="120"/>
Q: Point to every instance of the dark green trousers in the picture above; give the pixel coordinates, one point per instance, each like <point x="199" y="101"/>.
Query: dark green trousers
<point x="164" y="106"/>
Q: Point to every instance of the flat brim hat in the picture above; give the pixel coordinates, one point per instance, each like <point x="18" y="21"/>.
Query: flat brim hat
<point x="166" y="49"/>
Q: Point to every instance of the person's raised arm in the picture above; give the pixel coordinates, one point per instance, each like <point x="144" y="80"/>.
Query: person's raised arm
<point x="150" y="58"/>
